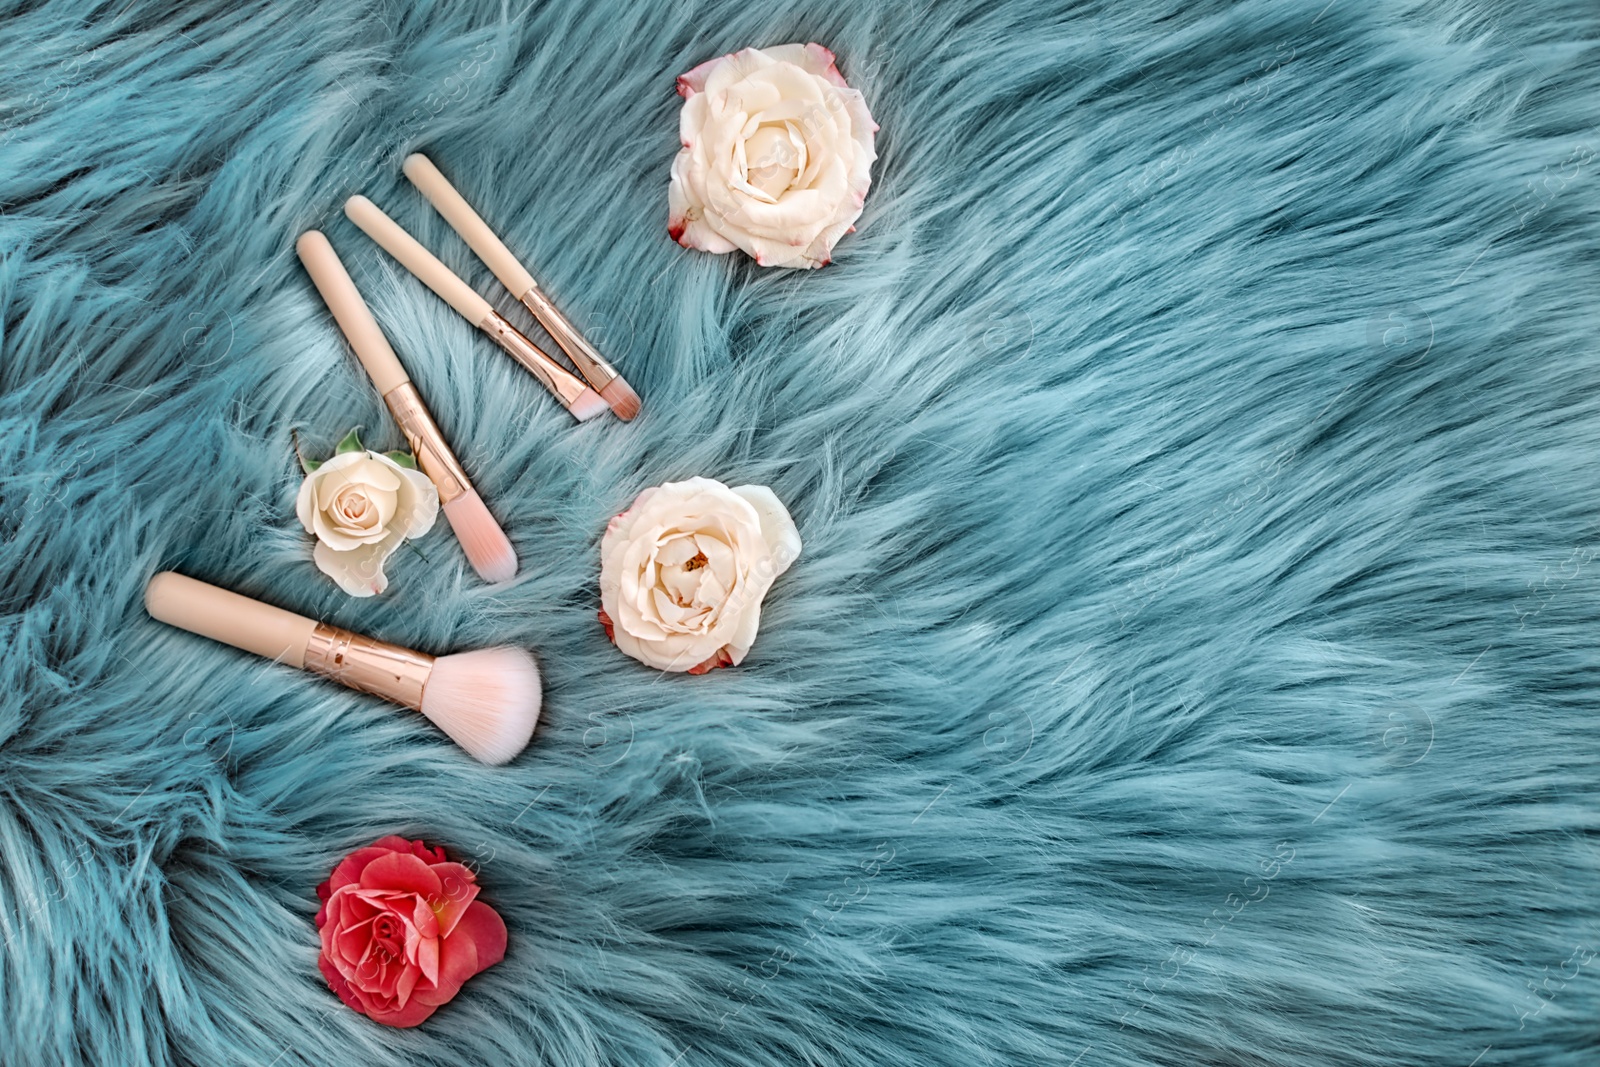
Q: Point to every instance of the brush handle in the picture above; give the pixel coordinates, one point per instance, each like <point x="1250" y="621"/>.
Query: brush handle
<point x="382" y="365"/>
<point x="416" y="259"/>
<point x="234" y="620"/>
<point x="427" y="442"/>
<point x="350" y="311"/>
<point x="562" y="383"/>
<point x="466" y="222"/>
<point x="590" y="363"/>
<point x="512" y="274"/>
<point x="393" y="672"/>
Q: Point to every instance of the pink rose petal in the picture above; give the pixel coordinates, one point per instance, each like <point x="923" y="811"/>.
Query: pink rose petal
<point x="719" y="658"/>
<point x="405" y="872"/>
<point x="401" y="929"/>
<point x="825" y="64"/>
<point x="479" y="943"/>
<point x="694" y="81"/>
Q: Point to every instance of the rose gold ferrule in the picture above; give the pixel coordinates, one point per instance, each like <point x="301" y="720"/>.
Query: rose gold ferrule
<point x="566" y="387"/>
<point x="368" y="665"/>
<point x="589" y="362"/>
<point x="427" y="443"/>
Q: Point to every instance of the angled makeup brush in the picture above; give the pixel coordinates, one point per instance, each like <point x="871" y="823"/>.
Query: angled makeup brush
<point x="487" y="701"/>
<point x="583" y="402"/>
<point x="515" y="277"/>
<point x="485" y="544"/>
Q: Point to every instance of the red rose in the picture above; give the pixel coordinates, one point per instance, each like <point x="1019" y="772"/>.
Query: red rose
<point x="402" y="930"/>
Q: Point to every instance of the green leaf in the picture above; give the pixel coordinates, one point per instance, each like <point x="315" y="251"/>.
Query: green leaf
<point x="404" y="459"/>
<point x="307" y="465"/>
<point x="351" y="443"/>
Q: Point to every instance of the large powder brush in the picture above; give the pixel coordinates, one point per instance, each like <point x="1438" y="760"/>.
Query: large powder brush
<point x="487" y="701"/>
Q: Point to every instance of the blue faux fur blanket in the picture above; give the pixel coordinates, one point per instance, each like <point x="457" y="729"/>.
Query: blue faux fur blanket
<point x="1193" y="655"/>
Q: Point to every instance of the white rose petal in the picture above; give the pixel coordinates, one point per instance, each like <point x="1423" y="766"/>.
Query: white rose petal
<point x="361" y="506"/>
<point x="777" y="156"/>
<point x="783" y="540"/>
<point x="684" y="570"/>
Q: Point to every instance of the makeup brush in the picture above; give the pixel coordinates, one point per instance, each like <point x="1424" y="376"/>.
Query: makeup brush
<point x="487" y="701"/>
<point x="515" y="277"/>
<point x="583" y="402"/>
<point x="485" y="544"/>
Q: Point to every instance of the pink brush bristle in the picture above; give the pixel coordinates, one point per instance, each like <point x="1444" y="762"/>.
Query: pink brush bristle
<point x="623" y="400"/>
<point x="588" y="405"/>
<point x="486" y="545"/>
<point x="487" y="701"/>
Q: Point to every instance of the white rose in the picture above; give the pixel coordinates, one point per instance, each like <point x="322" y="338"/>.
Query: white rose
<point x="683" y="572"/>
<point x="361" y="505"/>
<point x="777" y="156"/>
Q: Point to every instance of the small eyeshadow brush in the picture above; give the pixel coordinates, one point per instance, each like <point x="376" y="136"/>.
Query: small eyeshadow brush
<point x="487" y="701"/>
<point x="486" y="545"/>
<point x="583" y="402"/>
<point x="515" y="277"/>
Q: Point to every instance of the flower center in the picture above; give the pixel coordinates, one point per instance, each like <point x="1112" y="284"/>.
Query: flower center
<point x="683" y="593"/>
<point x="774" y="156"/>
<point x="689" y="577"/>
<point x="353" y="507"/>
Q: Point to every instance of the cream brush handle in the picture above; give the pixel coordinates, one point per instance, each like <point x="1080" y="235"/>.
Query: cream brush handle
<point x="361" y="663"/>
<point x="436" y="276"/>
<point x="416" y="259"/>
<point x="234" y="620"/>
<point x="466" y="222"/>
<point x="512" y="274"/>
<point x="382" y="365"/>
<point x="350" y="311"/>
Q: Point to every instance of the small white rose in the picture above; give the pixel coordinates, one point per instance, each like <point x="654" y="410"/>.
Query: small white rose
<point x="684" y="570"/>
<point x="361" y="505"/>
<point x="777" y="156"/>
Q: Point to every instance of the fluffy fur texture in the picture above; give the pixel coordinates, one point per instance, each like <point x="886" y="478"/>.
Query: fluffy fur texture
<point x="1193" y="656"/>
